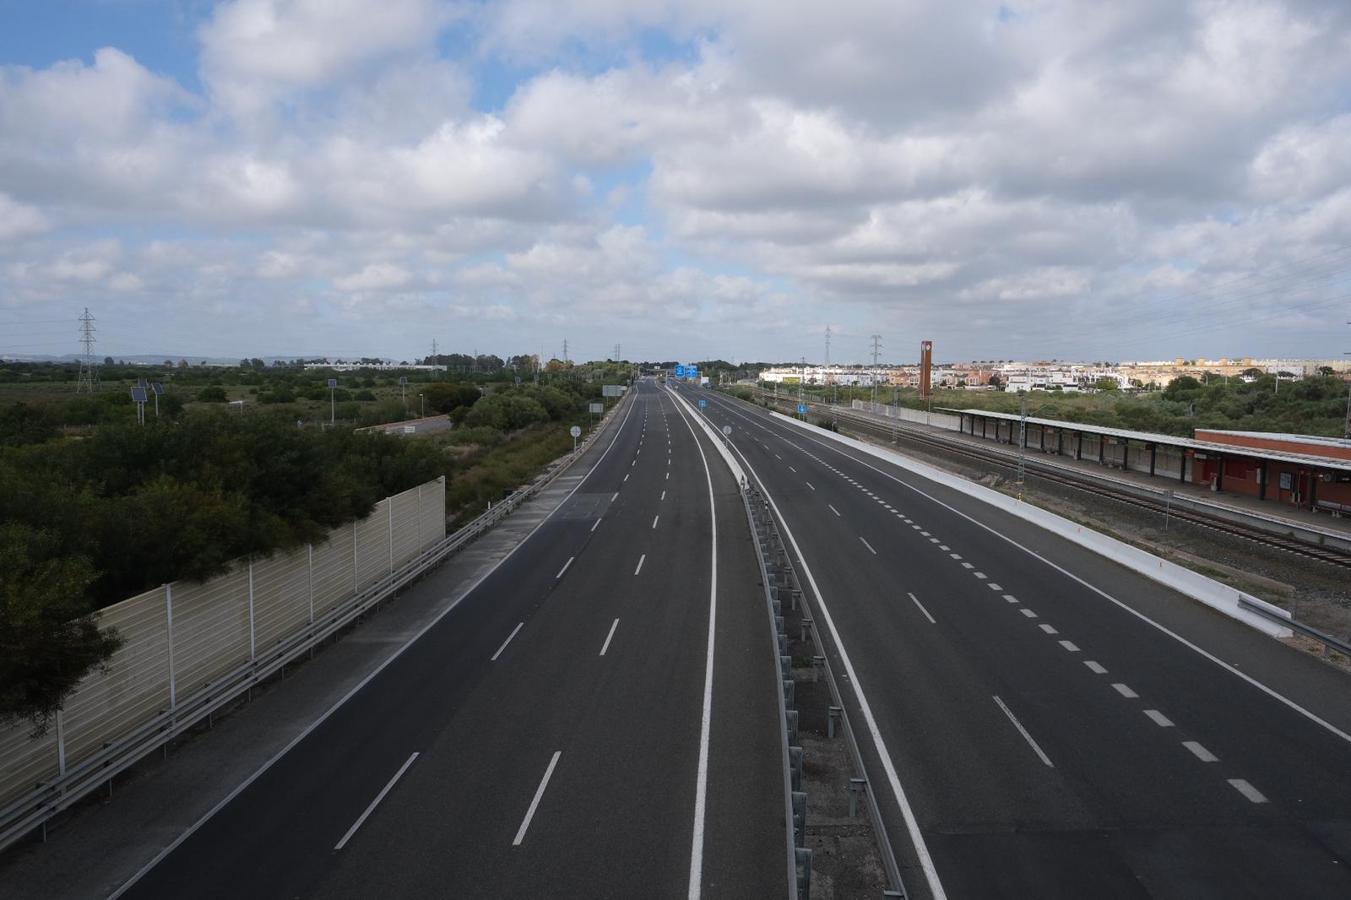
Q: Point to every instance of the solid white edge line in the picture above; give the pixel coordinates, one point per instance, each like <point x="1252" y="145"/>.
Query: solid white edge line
<point x="1270" y="692"/>
<point x="494" y="657"/>
<point x="192" y="829"/>
<point x="915" y="600"/>
<point x="706" y="721"/>
<point x="640" y="564"/>
<point x="374" y="803"/>
<point x="606" y="645"/>
<point x="1023" y="731"/>
<point x="565" y="568"/>
<point x="534" y="804"/>
<point x="868" y="545"/>
<point x="925" y="860"/>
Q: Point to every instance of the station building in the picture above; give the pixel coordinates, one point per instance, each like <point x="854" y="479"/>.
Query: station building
<point x="1303" y="471"/>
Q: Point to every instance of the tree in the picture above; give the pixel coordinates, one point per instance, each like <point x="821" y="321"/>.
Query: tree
<point x="1326" y="371"/>
<point x="49" y="638"/>
<point x="1106" y="384"/>
<point x="211" y="394"/>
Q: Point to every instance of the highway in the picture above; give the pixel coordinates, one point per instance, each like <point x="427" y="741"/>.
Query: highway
<point x="597" y="718"/>
<point x="1039" y="722"/>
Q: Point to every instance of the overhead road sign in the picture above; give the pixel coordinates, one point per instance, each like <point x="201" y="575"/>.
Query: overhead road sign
<point x="680" y="371"/>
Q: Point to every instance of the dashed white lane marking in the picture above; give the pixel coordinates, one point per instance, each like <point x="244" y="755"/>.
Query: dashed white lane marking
<point x="376" y="802"/>
<point x="494" y="657"/>
<point x="663" y="495"/>
<point x="1010" y="598"/>
<point x="994" y="587"/>
<point x="1200" y="752"/>
<point x="1159" y="718"/>
<point x="777" y="456"/>
<point x="915" y="600"/>
<point x="810" y="485"/>
<point x="654" y="520"/>
<point x="632" y="464"/>
<point x="955" y="555"/>
<point x="668" y="476"/>
<point x="1247" y="790"/>
<point x="1125" y="691"/>
<point x="943" y="547"/>
<point x="534" y="804"/>
<point x="565" y="567"/>
<point x="924" y="533"/>
<point x="981" y="575"/>
<point x="967" y="565"/>
<point x="640" y="564"/>
<point x="614" y="496"/>
<point x="606" y="645"/>
<point x="832" y="509"/>
<point x="1095" y="667"/>
<point x="626" y="477"/>
<point x="1070" y="646"/>
<point x="597" y="525"/>
<point x="791" y="469"/>
<point x="933" y="540"/>
<point x="1023" y="731"/>
<point x="868" y="545"/>
<point x="1027" y="612"/>
<point x="1049" y="629"/>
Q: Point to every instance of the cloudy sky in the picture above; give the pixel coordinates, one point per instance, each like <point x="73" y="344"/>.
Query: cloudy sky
<point x="1032" y="178"/>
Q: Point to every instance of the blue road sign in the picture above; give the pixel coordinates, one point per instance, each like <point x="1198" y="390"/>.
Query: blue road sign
<point x="802" y="409"/>
<point x="680" y="371"/>
<point x="703" y="403"/>
<point x="692" y="372"/>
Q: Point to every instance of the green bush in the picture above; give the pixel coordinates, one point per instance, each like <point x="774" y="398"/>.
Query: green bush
<point x="211" y="394"/>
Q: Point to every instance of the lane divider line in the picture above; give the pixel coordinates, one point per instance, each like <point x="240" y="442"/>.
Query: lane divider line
<point x="606" y="645"/>
<point x="1041" y="754"/>
<point x="374" y="803"/>
<point x="494" y="657"/>
<point x="915" y="600"/>
<point x="534" y="804"/>
<point x="565" y="568"/>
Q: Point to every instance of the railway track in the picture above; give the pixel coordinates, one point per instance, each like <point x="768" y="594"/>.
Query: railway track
<point x="1033" y="469"/>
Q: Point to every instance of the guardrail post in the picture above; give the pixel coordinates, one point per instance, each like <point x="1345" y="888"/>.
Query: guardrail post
<point x="804" y="871"/>
<point x="253" y="648"/>
<point x="832" y="717"/>
<point x="799" y="800"/>
<point x="169" y="643"/>
<point x="856" y="789"/>
<point x="60" y="746"/>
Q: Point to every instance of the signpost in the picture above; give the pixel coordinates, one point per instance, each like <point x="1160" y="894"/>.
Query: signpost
<point x="727" y="431"/>
<point x="702" y="403"/>
<point x="802" y="410"/>
<point x="576" y="432"/>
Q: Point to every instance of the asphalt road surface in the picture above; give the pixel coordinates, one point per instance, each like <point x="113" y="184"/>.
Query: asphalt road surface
<point x="561" y="732"/>
<point x="1040" y="722"/>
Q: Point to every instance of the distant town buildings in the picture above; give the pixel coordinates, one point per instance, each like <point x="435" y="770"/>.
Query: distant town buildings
<point x="1055" y="375"/>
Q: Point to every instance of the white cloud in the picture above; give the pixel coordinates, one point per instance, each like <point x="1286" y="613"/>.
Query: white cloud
<point x="375" y="277"/>
<point x="20" y="220"/>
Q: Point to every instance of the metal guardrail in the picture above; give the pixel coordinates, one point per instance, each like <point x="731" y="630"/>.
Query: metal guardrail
<point x="766" y="533"/>
<point x="1329" y="641"/>
<point x="795" y="802"/>
<point x="48" y="798"/>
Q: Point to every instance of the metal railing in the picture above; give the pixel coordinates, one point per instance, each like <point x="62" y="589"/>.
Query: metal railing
<point x="116" y="753"/>
<point x="1328" y="641"/>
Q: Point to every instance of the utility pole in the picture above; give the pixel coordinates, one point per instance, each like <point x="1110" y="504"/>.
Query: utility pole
<point x="1022" y="439"/>
<point x="565" y="351"/>
<point x="877" y="350"/>
<point x="1347" y="430"/>
<point x="89" y="376"/>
